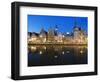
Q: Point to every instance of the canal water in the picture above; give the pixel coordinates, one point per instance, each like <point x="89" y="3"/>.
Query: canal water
<point x="47" y="55"/>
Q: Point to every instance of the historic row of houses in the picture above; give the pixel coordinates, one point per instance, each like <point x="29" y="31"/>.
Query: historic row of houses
<point x="77" y="36"/>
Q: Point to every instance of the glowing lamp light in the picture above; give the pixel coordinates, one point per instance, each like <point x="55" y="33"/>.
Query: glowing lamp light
<point x="40" y="52"/>
<point x="81" y="51"/>
<point x="63" y="36"/>
<point x="41" y="36"/>
<point x="63" y="52"/>
<point x="33" y="48"/>
<point x="67" y="33"/>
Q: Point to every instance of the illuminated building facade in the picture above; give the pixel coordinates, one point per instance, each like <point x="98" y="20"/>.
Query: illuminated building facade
<point x="53" y="36"/>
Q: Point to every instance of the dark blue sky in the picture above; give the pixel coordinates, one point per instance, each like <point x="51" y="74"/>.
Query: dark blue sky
<point x="64" y="23"/>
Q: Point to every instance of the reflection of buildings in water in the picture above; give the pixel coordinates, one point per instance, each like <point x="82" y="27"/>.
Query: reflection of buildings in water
<point x="56" y="55"/>
<point x="59" y="50"/>
<point x="78" y="36"/>
<point x="80" y="50"/>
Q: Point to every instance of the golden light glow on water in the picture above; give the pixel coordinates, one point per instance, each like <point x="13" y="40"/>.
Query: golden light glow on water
<point x="55" y="56"/>
<point x="44" y="47"/>
<point x="81" y="51"/>
<point x="40" y="52"/>
<point x="67" y="51"/>
<point x="57" y="49"/>
<point x="63" y="52"/>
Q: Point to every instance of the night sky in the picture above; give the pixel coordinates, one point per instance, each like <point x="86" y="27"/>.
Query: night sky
<point x="64" y="23"/>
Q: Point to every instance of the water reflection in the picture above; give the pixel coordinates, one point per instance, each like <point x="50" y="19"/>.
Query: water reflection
<point x="41" y="55"/>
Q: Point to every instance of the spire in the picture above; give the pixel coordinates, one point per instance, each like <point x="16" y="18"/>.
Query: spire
<point x="76" y="28"/>
<point x="56" y="27"/>
<point x="42" y="31"/>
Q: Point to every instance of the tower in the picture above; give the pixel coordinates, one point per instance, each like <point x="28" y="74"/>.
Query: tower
<point x="51" y="35"/>
<point x="76" y="30"/>
<point x="43" y="35"/>
<point x="56" y="30"/>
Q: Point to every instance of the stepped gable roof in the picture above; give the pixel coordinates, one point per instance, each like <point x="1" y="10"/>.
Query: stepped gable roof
<point x="43" y="31"/>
